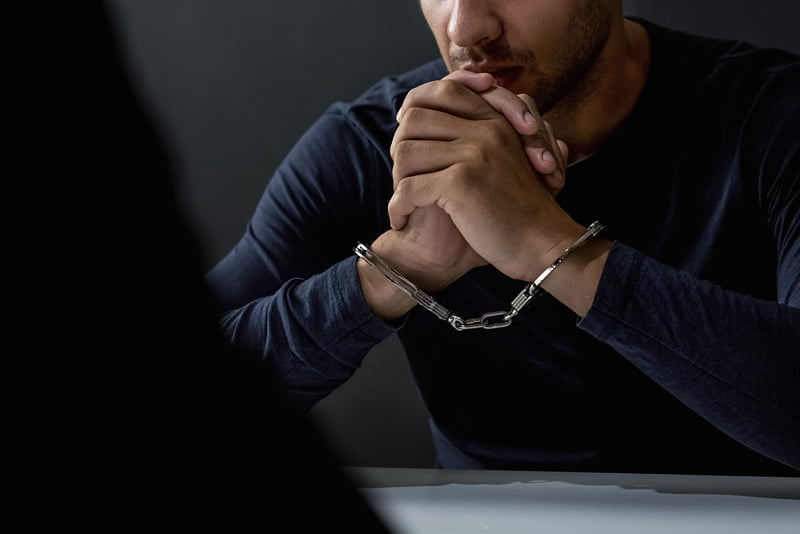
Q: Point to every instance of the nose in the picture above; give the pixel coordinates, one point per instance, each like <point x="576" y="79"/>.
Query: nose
<point x="472" y="23"/>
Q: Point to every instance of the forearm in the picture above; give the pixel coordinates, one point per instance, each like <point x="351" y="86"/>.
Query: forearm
<point x="313" y="332"/>
<point x="733" y="359"/>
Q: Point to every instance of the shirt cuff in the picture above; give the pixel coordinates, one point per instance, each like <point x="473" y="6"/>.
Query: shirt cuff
<point x="353" y="306"/>
<point x="613" y="291"/>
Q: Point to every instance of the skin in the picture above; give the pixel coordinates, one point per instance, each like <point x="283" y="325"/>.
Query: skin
<point x="475" y="178"/>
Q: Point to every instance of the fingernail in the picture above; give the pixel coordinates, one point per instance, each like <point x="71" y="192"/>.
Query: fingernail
<point x="397" y="117"/>
<point x="528" y="117"/>
<point x="548" y="156"/>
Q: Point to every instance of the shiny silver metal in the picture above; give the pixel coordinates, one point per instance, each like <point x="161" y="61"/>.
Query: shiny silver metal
<point x="487" y="321"/>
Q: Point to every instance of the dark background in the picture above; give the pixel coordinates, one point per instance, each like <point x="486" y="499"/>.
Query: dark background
<point x="233" y="84"/>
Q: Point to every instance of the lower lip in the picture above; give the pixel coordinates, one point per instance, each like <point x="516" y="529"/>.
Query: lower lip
<point x="507" y="77"/>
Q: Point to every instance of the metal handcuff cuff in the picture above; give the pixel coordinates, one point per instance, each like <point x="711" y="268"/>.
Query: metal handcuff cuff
<point x="487" y="321"/>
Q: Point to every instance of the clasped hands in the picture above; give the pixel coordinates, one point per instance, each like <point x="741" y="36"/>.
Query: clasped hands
<point x="476" y="172"/>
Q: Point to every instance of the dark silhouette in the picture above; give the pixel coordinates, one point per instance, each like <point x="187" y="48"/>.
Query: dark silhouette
<point x="137" y="411"/>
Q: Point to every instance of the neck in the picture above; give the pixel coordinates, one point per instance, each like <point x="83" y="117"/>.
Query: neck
<point x="607" y="94"/>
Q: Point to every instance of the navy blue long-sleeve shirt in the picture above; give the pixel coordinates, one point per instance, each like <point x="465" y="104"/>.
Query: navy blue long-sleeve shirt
<point x="689" y="358"/>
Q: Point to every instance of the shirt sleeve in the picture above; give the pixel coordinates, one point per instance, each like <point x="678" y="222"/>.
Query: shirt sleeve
<point x="289" y="291"/>
<point x="732" y="358"/>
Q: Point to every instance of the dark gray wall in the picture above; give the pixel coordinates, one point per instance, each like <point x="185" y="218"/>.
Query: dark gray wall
<point x="764" y="22"/>
<point x="233" y="84"/>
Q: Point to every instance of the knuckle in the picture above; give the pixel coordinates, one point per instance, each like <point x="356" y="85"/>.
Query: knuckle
<point x="493" y="133"/>
<point x="422" y="92"/>
<point x="402" y="187"/>
<point x="400" y="156"/>
<point x="448" y="90"/>
<point x="414" y="114"/>
<point x="403" y="148"/>
<point x="413" y="93"/>
<point x="447" y="87"/>
<point x="460" y="178"/>
<point x="474" y="152"/>
<point x="397" y="177"/>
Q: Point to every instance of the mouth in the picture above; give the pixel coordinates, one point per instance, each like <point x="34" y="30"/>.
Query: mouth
<point x="506" y="77"/>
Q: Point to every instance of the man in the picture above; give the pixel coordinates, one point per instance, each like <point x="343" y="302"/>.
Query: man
<point x="667" y="342"/>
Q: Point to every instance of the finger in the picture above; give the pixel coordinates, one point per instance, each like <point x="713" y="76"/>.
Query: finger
<point x="554" y="145"/>
<point x="544" y="160"/>
<point x="426" y="124"/>
<point x="515" y="110"/>
<point x="541" y="158"/>
<point x="546" y="132"/>
<point x="554" y="183"/>
<point x="414" y="157"/>
<point x="546" y="167"/>
<point x="540" y="154"/>
<point x="476" y="81"/>
<point x="411" y="193"/>
<point x="449" y="96"/>
<point x="564" y="149"/>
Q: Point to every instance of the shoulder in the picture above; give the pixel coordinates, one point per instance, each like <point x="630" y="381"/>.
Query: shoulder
<point x="373" y="112"/>
<point x="352" y="138"/>
<point x="734" y="107"/>
<point x="730" y="91"/>
<point x="388" y="92"/>
<point x="694" y="66"/>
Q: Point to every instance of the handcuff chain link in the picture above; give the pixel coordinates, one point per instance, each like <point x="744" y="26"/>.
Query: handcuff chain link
<point x="487" y="321"/>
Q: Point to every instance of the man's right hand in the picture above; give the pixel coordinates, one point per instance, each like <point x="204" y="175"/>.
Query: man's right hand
<point x="430" y="250"/>
<point x="547" y="155"/>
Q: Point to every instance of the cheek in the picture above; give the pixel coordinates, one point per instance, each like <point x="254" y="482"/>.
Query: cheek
<point x="437" y="15"/>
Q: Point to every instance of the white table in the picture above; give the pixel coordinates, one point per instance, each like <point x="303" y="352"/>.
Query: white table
<point x="434" y="501"/>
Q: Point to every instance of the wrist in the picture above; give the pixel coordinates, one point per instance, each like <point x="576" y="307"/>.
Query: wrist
<point x="566" y="260"/>
<point x="385" y="298"/>
<point x="545" y="245"/>
<point x="575" y="281"/>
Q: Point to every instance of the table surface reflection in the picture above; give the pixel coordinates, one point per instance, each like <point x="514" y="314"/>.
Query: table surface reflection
<point x="437" y="501"/>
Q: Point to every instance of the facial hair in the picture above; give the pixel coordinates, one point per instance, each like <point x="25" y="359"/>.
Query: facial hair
<point x="568" y="77"/>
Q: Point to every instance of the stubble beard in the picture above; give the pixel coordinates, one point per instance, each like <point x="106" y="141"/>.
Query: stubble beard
<point x="573" y="72"/>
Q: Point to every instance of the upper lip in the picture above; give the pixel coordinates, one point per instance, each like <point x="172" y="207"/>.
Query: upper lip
<point x="488" y="67"/>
